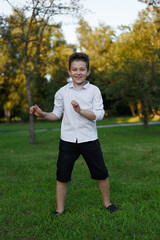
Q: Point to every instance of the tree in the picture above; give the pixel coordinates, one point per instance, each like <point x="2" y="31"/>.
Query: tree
<point x="154" y="6"/>
<point x="154" y="3"/>
<point x="12" y="81"/>
<point x="135" y="75"/>
<point x="30" y="23"/>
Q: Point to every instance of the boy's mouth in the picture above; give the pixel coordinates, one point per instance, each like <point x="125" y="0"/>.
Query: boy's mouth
<point x="78" y="77"/>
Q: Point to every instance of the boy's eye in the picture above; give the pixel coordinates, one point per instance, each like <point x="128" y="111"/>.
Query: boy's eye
<point x="81" y="69"/>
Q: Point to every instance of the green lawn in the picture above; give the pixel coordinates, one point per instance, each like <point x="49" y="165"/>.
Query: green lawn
<point x="27" y="187"/>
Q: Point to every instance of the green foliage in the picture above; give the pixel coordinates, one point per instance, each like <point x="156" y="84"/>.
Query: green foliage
<point x="96" y="43"/>
<point x="126" y="68"/>
<point x="28" y="188"/>
<point x="53" y="56"/>
<point x="135" y="74"/>
<point x="25" y="38"/>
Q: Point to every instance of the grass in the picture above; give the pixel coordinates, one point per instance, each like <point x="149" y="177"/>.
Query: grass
<point x="28" y="187"/>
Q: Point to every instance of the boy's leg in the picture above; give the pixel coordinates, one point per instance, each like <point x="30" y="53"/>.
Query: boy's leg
<point x="68" y="154"/>
<point x="93" y="156"/>
<point x="61" y="195"/>
<point x="104" y="189"/>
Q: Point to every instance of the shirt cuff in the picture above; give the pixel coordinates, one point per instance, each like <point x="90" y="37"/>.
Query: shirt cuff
<point x="57" y="113"/>
<point x="99" y="115"/>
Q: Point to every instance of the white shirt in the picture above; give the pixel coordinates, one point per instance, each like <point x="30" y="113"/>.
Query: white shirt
<point x="75" y="127"/>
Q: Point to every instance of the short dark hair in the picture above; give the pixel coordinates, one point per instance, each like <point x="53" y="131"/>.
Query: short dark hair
<point x="79" y="56"/>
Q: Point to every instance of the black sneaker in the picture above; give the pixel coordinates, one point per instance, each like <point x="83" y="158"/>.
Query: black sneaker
<point x="56" y="213"/>
<point x="112" y="208"/>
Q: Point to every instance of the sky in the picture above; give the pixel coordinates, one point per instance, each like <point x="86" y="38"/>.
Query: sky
<point x="109" y="12"/>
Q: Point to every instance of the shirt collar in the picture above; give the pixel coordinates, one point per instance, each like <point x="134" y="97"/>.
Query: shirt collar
<point x="86" y="86"/>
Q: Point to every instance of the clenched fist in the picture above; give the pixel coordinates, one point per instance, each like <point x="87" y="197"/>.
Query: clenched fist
<point x="76" y="106"/>
<point x="36" y="111"/>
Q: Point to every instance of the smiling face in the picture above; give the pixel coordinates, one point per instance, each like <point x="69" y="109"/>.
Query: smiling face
<point x="78" y="72"/>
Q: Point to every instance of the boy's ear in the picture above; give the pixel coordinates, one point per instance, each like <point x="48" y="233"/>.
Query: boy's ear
<point x="88" y="72"/>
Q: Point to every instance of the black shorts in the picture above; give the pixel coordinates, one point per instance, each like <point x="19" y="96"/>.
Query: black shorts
<point x="92" y="154"/>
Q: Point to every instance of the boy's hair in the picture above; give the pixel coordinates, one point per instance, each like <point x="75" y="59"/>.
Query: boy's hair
<point x="79" y="56"/>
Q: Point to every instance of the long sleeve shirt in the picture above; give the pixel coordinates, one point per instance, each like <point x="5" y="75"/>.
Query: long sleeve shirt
<point x="75" y="127"/>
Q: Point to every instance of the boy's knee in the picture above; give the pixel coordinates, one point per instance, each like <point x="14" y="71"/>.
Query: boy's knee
<point x="63" y="177"/>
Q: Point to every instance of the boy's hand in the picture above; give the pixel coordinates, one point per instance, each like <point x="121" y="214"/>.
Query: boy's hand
<point x="76" y="106"/>
<point x="85" y="113"/>
<point x="36" y="111"/>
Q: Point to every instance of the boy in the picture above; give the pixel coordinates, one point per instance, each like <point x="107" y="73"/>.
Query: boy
<point x="81" y="105"/>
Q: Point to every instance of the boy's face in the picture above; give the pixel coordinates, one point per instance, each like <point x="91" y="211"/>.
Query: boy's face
<point x="78" y="72"/>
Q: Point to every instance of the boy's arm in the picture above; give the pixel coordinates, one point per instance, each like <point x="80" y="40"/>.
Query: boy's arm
<point x="98" y="107"/>
<point x="85" y="113"/>
<point x="57" y="111"/>
<point x="97" y="113"/>
<point x="88" y="114"/>
<point x="47" y="115"/>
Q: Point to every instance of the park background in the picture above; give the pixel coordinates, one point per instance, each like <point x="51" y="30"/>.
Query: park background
<point x="34" y="48"/>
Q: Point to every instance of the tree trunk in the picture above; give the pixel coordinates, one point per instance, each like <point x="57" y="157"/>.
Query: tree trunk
<point x="31" y="117"/>
<point x="139" y="109"/>
<point x="7" y="114"/>
<point x="145" y="121"/>
<point x="32" y="132"/>
<point x="145" y="114"/>
<point x="153" y="111"/>
<point x="132" y="110"/>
